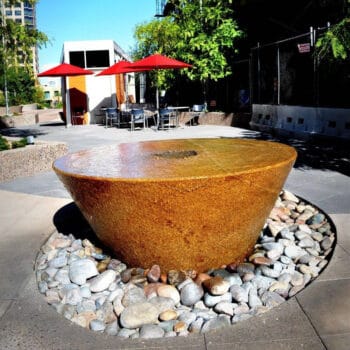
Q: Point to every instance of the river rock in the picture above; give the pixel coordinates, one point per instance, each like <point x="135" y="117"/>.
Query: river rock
<point x="180" y="326"/>
<point x="162" y="303"/>
<point x="102" y="281"/>
<point x="234" y="278"/>
<point x="216" y="323"/>
<point x="176" y="276"/>
<point x="81" y="270"/>
<point x="216" y="285"/>
<point x="191" y="293"/>
<point x="106" y="313"/>
<point x="133" y="295"/>
<point x="112" y="328"/>
<point x="196" y="326"/>
<point x="153" y="274"/>
<point x="239" y="294"/>
<point x="293" y="251"/>
<point x="127" y="333"/>
<point x="187" y="317"/>
<point x="97" y="326"/>
<point x="212" y="300"/>
<point x="244" y="268"/>
<point x="169" y="291"/>
<point x="137" y="315"/>
<point x="288" y="196"/>
<point x="326" y="243"/>
<point x="225" y="307"/>
<point x="168" y="315"/>
<point x="149" y="331"/>
<point x="70" y="294"/>
<point x="62" y="276"/>
<point x="271" y="299"/>
<point x="83" y="319"/>
<point x="253" y="299"/>
<point x="306" y="242"/>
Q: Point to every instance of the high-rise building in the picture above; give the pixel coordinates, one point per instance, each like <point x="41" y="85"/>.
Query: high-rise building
<point x="24" y="13"/>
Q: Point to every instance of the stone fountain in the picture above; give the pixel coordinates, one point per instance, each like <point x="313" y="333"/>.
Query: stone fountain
<point x="181" y="204"/>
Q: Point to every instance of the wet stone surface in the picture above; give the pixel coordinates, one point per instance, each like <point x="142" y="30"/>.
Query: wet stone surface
<point x="104" y="295"/>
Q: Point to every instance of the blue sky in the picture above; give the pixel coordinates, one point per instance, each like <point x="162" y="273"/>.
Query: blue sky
<point x="69" y="20"/>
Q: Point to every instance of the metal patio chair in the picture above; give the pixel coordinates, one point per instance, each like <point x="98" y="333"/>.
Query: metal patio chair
<point x="138" y="117"/>
<point x="112" y="116"/>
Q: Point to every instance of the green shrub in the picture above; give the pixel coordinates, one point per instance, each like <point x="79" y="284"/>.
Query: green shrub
<point x="21" y="143"/>
<point x="4" y="144"/>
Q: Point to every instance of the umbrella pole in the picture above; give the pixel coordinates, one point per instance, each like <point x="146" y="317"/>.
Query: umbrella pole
<point x="68" y="111"/>
<point x="157" y="98"/>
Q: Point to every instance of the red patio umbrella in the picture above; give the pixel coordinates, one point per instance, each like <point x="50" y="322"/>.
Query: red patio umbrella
<point x="158" y="61"/>
<point x="65" y="70"/>
<point x="120" y="67"/>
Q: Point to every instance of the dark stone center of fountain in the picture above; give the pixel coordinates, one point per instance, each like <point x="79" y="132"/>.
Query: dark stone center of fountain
<point x="176" y="154"/>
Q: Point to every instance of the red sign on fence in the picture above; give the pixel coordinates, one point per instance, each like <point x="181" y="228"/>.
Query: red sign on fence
<point x="304" y="48"/>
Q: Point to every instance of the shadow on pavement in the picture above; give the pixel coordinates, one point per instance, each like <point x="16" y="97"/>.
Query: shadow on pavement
<point x="14" y="132"/>
<point x="322" y="154"/>
<point x="70" y="220"/>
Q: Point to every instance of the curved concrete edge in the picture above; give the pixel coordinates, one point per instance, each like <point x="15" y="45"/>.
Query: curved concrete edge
<point x="316" y="318"/>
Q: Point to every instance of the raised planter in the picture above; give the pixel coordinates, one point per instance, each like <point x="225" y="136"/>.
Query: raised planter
<point x="29" y="160"/>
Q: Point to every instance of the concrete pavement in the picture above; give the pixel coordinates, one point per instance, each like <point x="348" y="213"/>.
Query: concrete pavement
<point x="316" y="318"/>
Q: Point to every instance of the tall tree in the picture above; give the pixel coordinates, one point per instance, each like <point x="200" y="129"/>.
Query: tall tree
<point x="199" y="32"/>
<point x="16" y="51"/>
<point x="335" y="42"/>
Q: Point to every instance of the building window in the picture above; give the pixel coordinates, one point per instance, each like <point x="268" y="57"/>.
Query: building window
<point x="18" y="20"/>
<point x="97" y="59"/>
<point x="77" y="58"/>
<point x="8" y="12"/>
<point x="18" y="13"/>
<point x="47" y="95"/>
<point x="94" y="59"/>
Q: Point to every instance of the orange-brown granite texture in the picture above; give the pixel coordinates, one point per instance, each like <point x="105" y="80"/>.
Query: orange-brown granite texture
<point x="194" y="203"/>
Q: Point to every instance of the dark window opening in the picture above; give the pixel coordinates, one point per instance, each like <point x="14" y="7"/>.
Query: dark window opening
<point x="301" y="121"/>
<point x="96" y="59"/>
<point x="347" y="126"/>
<point x="267" y="116"/>
<point x="289" y="119"/>
<point x="259" y="116"/>
<point x="77" y="58"/>
<point x="332" y="124"/>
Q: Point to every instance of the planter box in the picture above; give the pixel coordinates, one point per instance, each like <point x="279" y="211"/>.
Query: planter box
<point x="29" y="160"/>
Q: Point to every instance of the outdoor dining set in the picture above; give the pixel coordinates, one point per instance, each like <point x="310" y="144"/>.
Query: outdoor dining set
<point x="164" y="118"/>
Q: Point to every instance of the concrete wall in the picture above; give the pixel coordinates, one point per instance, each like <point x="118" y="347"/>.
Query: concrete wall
<point x="240" y="120"/>
<point x="301" y="121"/>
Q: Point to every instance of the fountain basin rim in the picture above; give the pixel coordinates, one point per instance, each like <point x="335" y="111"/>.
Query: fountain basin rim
<point x="155" y="163"/>
<point x="167" y="179"/>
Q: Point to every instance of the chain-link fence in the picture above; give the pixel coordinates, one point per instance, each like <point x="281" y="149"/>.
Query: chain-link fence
<point x="289" y="72"/>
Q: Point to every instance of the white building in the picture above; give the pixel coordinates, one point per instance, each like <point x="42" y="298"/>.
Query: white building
<point x="89" y="94"/>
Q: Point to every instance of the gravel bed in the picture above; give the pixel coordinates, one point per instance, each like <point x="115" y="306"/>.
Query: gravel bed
<point x="101" y="293"/>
